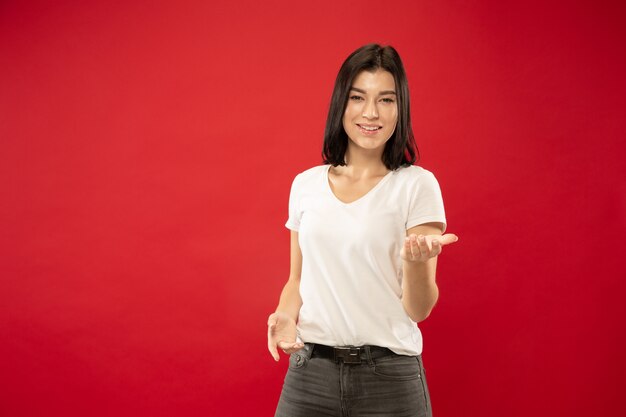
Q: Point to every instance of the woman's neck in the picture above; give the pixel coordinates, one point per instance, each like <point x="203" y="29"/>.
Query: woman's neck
<point x="364" y="163"/>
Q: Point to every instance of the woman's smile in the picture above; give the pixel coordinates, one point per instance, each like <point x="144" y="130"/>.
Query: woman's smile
<point x="367" y="129"/>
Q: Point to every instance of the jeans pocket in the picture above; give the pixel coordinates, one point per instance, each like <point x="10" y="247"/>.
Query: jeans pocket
<point x="397" y="367"/>
<point x="297" y="361"/>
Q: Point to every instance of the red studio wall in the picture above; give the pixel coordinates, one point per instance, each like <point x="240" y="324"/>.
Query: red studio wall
<point x="147" y="153"/>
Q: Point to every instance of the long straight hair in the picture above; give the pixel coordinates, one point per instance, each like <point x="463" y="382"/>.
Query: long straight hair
<point x="400" y="149"/>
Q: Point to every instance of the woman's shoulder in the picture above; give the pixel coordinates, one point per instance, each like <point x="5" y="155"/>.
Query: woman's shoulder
<point x="316" y="170"/>
<point x="414" y="173"/>
<point x="313" y="172"/>
<point x="309" y="177"/>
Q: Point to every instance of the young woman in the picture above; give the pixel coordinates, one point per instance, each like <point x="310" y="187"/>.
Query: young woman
<point x="366" y="230"/>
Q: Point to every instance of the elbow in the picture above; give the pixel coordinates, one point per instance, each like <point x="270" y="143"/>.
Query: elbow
<point x="420" y="316"/>
<point x="416" y="314"/>
<point x="419" y="310"/>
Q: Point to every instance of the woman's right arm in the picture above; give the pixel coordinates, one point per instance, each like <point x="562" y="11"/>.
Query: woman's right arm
<point x="282" y="323"/>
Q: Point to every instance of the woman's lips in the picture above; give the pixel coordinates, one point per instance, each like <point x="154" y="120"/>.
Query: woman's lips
<point x="369" y="132"/>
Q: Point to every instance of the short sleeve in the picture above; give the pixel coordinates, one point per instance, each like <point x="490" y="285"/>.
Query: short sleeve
<point x="293" y="222"/>
<point x="426" y="202"/>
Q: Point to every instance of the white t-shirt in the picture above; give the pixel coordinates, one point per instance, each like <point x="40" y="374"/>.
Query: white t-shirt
<point x="351" y="282"/>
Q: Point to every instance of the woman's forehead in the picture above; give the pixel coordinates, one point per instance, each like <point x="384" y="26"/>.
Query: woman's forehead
<point x="374" y="82"/>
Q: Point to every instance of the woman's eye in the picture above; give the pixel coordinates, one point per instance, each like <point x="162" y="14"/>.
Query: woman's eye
<point x="388" y="100"/>
<point x="355" y="97"/>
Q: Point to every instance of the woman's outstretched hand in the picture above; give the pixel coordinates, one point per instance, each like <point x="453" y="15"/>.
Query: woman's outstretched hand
<point x="421" y="248"/>
<point x="281" y="333"/>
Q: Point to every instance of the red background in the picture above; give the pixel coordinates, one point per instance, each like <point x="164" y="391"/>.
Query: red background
<point x="147" y="153"/>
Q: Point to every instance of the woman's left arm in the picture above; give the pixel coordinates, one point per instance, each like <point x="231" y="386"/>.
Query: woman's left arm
<point x="419" y="255"/>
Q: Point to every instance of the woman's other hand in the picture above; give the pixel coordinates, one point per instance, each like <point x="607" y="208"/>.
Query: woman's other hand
<point x="421" y="248"/>
<point x="281" y="333"/>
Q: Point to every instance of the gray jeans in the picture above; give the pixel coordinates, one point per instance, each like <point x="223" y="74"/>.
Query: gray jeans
<point x="389" y="386"/>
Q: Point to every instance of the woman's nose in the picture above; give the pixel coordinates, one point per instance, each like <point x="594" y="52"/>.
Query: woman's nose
<point x="369" y="110"/>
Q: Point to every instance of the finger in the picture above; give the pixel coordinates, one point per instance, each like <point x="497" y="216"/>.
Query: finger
<point x="271" y="344"/>
<point x="415" y="249"/>
<point x="290" y="345"/>
<point x="436" y="248"/>
<point x="407" y="248"/>
<point x="423" y="245"/>
<point x="293" y="349"/>
<point x="272" y="348"/>
<point x="447" y="239"/>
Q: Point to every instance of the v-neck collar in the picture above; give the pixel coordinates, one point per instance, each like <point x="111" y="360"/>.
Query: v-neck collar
<point x="363" y="197"/>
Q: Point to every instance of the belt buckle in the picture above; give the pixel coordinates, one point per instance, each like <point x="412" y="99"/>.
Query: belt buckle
<point x="349" y="354"/>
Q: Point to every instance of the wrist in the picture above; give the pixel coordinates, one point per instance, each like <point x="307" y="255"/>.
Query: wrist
<point x="418" y="271"/>
<point x="414" y="265"/>
<point x="284" y="313"/>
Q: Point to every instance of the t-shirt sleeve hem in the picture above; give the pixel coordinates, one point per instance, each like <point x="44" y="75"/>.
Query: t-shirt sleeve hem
<point x="426" y="219"/>
<point x="292" y="226"/>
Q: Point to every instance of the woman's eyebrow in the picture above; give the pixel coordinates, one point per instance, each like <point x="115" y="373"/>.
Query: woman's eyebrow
<point x="382" y="93"/>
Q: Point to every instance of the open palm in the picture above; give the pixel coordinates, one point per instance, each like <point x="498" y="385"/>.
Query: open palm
<point x="421" y="248"/>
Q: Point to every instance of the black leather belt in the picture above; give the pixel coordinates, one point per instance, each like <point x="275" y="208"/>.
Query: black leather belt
<point x="350" y="354"/>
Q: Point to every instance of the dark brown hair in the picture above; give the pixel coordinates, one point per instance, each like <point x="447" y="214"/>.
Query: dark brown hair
<point x="400" y="149"/>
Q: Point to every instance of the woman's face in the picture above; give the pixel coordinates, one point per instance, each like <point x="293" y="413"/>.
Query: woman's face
<point x="372" y="110"/>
